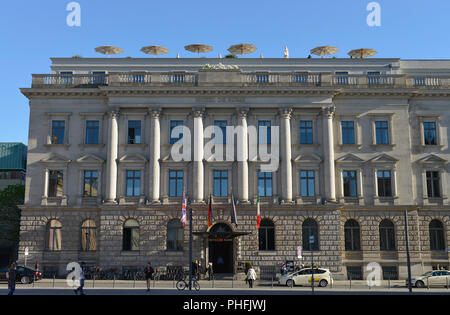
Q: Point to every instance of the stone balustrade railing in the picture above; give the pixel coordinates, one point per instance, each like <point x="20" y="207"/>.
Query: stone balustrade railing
<point x="246" y="79"/>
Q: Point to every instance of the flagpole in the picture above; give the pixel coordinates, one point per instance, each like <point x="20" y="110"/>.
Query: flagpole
<point x="190" y="245"/>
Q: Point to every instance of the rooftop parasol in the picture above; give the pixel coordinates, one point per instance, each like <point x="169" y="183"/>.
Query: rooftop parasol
<point x="362" y="53"/>
<point x="109" y="50"/>
<point x="324" y="51"/>
<point x="198" y="48"/>
<point x="154" y="50"/>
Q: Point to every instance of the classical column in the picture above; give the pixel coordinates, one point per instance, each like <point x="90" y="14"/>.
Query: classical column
<point x="242" y="156"/>
<point x="286" y="155"/>
<point x="198" y="177"/>
<point x="328" y="152"/>
<point x="111" y="164"/>
<point x="155" y="155"/>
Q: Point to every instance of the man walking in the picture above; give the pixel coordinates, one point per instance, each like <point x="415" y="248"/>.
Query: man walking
<point x="210" y="271"/>
<point x="81" y="277"/>
<point x="11" y="275"/>
<point x="148" y="275"/>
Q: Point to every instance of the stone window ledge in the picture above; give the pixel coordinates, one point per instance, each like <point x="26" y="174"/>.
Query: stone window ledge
<point x="267" y="253"/>
<point x="130" y="253"/>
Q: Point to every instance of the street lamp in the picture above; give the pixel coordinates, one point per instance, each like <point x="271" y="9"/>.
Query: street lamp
<point x="190" y="244"/>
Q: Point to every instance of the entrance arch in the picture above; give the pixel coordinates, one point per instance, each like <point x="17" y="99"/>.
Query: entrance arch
<point x="221" y="248"/>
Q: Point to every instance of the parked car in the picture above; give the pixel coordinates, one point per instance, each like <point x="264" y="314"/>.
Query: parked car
<point x="437" y="278"/>
<point x="24" y="275"/>
<point x="322" y="277"/>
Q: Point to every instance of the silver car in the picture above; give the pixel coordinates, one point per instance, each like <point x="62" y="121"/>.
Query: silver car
<point x="437" y="278"/>
<point x="322" y="277"/>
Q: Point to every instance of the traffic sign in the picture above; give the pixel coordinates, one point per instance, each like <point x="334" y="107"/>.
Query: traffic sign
<point x="26" y="251"/>
<point x="299" y="252"/>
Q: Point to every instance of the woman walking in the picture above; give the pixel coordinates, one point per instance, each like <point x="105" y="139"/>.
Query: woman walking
<point x="251" y="276"/>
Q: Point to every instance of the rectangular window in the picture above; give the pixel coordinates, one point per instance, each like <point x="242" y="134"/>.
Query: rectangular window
<point x="390" y="273"/>
<point x="342" y="78"/>
<point x="264" y="132"/>
<point x="55" y="184"/>
<point x="350" y="184"/>
<point x="306" y="132"/>
<point x="384" y="183"/>
<point x="429" y="133"/>
<point x="307" y="184"/>
<point x="92" y="131"/>
<point x="99" y="77"/>
<point x="348" y="132"/>
<point x="222" y="124"/>
<point x="58" y="130"/>
<point x="66" y="77"/>
<point x="373" y="78"/>
<point x="173" y="124"/>
<point x="134" y="132"/>
<point x="433" y="185"/>
<point x="354" y="273"/>
<point x="176" y="183"/>
<point x="220" y="184"/>
<point x="382" y="132"/>
<point x="133" y="183"/>
<point x="90" y="188"/>
<point x="265" y="184"/>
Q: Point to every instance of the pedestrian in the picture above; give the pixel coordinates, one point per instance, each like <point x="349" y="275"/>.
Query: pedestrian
<point x="148" y="271"/>
<point x="296" y="267"/>
<point x="194" y="268"/>
<point x="81" y="277"/>
<point x="11" y="275"/>
<point x="210" y="271"/>
<point x="283" y="270"/>
<point x="199" y="269"/>
<point x="251" y="276"/>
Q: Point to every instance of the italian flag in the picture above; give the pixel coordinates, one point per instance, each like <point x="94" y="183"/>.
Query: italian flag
<point x="258" y="213"/>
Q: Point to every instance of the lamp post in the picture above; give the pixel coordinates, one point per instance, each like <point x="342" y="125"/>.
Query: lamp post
<point x="190" y="245"/>
<point x="407" y="252"/>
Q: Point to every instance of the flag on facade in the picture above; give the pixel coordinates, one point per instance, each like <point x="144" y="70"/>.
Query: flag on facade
<point x="233" y="211"/>
<point x="183" y="210"/>
<point x="258" y="213"/>
<point x="210" y="212"/>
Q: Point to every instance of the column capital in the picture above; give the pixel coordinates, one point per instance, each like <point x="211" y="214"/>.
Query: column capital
<point x="114" y="113"/>
<point x="155" y="113"/>
<point x="286" y="112"/>
<point x="329" y="111"/>
<point x="198" y="112"/>
<point x="242" y="112"/>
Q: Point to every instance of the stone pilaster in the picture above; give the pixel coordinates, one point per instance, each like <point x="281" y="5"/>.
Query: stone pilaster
<point x="111" y="163"/>
<point x="242" y="157"/>
<point x="198" y="170"/>
<point x="328" y="153"/>
<point x="286" y="155"/>
<point x="155" y="155"/>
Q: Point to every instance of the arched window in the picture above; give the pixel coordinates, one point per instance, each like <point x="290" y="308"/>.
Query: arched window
<point x="53" y="235"/>
<point x="310" y="231"/>
<point x="130" y="235"/>
<point x="266" y="235"/>
<point x="352" y="236"/>
<point x="175" y="235"/>
<point x="88" y="235"/>
<point x="387" y="235"/>
<point x="437" y="238"/>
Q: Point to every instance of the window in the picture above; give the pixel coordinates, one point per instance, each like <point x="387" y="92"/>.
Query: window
<point x="309" y="229"/>
<point x="92" y="131"/>
<point x="220" y="183"/>
<point x="99" y="78"/>
<point x="390" y="272"/>
<point x="352" y="236"/>
<point x="341" y="78"/>
<point x="264" y="184"/>
<point x="433" y="184"/>
<point x="306" y="132"/>
<point x="350" y="184"/>
<point x="134" y="132"/>
<point x="90" y="188"/>
<point x="55" y="183"/>
<point x="373" y="78"/>
<point x="176" y="183"/>
<point x="173" y="124"/>
<point x="88" y="236"/>
<point x="133" y="184"/>
<point x="348" y="132"/>
<point x="264" y="132"/>
<point x="384" y="183"/>
<point x="354" y="273"/>
<point x="437" y="236"/>
<point x="262" y="78"/>
<point x="266" y="234"/>
<point x="382" y="132"/>
<point x="177" y="78"/>
<point x="58" y="128"/>
<point x="54" y="235"/>
<point x="429" y="133"/>
<point x="307" y="184"/>
<point x="175" y="235"/>
<point x="130" y="235"/>
<point x="387" y="235"/>
<point x="222" y="124"/>
<point x="66" y="77"/>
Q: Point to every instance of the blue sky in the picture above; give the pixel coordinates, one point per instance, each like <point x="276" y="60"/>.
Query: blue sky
<point x="33" y="31"/>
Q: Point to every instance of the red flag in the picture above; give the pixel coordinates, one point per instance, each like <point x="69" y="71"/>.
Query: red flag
<point x="258" y="214"/>
<point x="210" y="212"/>
<point x="183" y="210"/>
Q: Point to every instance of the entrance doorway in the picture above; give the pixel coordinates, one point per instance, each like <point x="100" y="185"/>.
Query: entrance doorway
<point x="221" y="252"/>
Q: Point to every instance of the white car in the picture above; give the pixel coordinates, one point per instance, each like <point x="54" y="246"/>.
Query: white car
<point x="322" y="277"/>
<point x="437" y="278"/>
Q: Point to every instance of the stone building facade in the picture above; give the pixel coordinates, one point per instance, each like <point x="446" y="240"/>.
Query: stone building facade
<point x="360" y="143"/>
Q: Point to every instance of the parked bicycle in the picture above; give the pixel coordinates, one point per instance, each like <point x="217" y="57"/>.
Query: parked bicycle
<point x="183" y="284"/>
